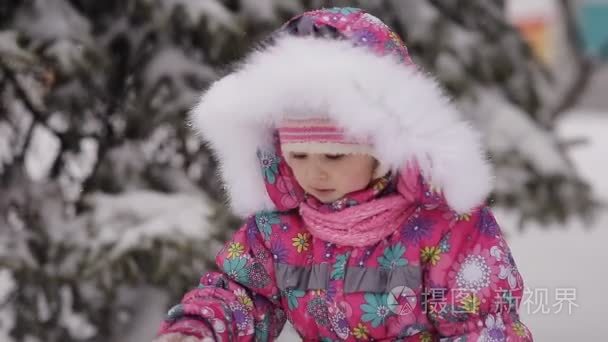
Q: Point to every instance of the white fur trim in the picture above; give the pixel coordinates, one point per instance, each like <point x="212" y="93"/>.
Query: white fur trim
<point x="403" y="111"/>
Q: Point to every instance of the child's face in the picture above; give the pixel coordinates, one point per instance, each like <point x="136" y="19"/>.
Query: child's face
<point x="329" y="177"/>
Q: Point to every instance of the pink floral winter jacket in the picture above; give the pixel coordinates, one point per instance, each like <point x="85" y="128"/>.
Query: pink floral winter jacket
<point x="445" y="273"/>
<point x="439" y="275"/>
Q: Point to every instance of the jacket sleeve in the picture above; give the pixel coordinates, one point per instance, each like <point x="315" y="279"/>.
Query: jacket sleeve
<point x="472" y="287"/>
<point x="239" y="303"/>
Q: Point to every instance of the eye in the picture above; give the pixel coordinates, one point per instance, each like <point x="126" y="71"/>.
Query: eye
<point x="298" y="155"/>
<point x="334" y="156"/>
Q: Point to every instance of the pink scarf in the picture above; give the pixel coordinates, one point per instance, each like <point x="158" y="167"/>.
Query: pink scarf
<point x="360" y="225"/>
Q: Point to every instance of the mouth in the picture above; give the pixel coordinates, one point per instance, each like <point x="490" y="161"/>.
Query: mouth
<point x="322" y="191"/>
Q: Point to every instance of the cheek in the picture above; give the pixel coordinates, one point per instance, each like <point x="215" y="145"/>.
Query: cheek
<point x="299" y="170"/>
<point x="355" y="176"/>
<point x="363" y="176"/>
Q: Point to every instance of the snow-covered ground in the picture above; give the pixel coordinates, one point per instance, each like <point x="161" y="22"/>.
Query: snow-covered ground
<point x="569" y="261"/>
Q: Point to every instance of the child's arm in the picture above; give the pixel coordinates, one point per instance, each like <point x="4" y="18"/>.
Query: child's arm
<point x="237" y="304"/>
<point x="472" y="285"/>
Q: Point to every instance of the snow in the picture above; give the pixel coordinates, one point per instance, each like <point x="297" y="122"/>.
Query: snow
<point x="508" y="129"/>
<point x="568" y="256"/>
<point x="7" y="284"/>
<point x="43" y="309"/>
<point x="58" y="24"/>
<point x="136" y="218"/>
<point x="152" y="304"/>
<point x="172" y="63"/>
<point x="267" y="10"/>
<point x="7" y="322"/>
<point x="41" y="153"/>
<point x="81" y="165"/>
<point x="260" y="9"/>
<point x="7" y="314"/>
<point x="464" y="43"/>
<point x="53" y="19"/>
<point x="76" y="324"/>
<point x="418" y="17"/>
<point x="67" y="54"/>
<point x="9" y="47"/>
<point x="6" y="135"/>
<point x="209" y="8"/>
<point x="129" y="221"/>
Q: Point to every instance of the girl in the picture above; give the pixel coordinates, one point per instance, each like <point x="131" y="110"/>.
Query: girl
<point x="364" y="190"/>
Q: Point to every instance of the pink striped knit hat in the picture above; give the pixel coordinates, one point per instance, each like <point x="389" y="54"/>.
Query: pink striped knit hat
<point x="322" y="135"/>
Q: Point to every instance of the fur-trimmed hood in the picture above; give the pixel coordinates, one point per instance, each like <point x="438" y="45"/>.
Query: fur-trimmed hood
<point x="368" y="92"/>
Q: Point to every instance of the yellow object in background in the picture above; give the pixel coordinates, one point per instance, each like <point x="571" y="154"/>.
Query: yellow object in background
<point x="536" y="31"/>
<point x="538" y="22"/>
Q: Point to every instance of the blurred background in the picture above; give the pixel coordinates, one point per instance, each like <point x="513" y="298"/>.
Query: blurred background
<point x="110" y="207"/>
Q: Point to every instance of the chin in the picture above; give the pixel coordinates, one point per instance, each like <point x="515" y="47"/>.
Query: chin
<point x="327" y="198"/>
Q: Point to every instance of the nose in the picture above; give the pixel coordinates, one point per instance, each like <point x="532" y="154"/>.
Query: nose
<point x="318" y="171"/>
